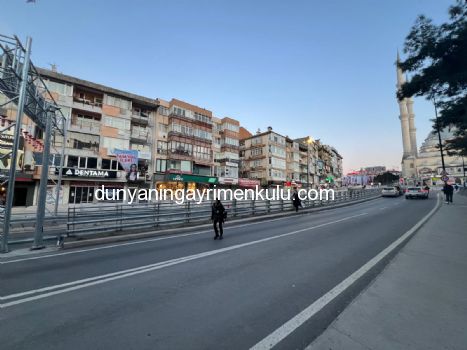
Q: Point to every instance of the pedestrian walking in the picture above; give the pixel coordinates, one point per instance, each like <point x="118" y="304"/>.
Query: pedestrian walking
<point x="448" y="192"/>
<point x="296" y="200"/>
<point x="218" y="217"/>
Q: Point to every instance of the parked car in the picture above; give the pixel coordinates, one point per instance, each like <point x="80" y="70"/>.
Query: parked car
<point x="416" y="192"/>
<point x="392" y="191"/>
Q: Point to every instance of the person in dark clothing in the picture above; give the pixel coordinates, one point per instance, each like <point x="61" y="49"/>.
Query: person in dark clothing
<point x="217" y="217"/>
<point x="296" y="200"/>
<point x="448" y="192"/>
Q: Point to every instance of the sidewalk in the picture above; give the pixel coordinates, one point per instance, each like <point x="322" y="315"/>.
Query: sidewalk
<point x="420" y="300"/>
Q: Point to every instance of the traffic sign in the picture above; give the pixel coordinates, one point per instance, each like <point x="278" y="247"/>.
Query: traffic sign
<point x="444" y="173"/>
<point x="445" y="178"/>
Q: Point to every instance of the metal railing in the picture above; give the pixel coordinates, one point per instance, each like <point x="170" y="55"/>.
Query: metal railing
<point x="114" y="218"/>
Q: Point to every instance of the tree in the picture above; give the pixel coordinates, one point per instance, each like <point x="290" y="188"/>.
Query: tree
<point x="437" y="55"/>
<point x="386" y="178"/>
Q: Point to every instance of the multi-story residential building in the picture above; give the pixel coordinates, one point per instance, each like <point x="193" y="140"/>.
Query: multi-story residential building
<point x="293" y="161"/>
<point x="264" y="158"/>
<point x="308" y="161"/>
<point x="329" y="164"/>
<point x="184" y="144"/>
<point x="100" y="120"/>
<point x="226" y="150"/>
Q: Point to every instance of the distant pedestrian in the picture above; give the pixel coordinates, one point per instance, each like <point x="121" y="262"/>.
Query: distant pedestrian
<point x="296" y="200"/>
<point x="217" y="217"/>
<point x="456" y="187"/>
<point x="448" y="192"/>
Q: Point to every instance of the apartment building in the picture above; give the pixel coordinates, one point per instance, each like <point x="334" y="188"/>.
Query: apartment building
<point x="293" y="163"/>
<point x="329" y="164"/>
<point x="264" y="157"/>
<point x="101" y="120"/>
<point x="184" y="146"/>
<point x="226" y="150"/>
<point x="308" y="152"/>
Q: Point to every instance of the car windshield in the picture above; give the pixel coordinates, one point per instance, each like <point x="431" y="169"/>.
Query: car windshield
<point x="414" y="188"/>
<point x="389" y="188"/>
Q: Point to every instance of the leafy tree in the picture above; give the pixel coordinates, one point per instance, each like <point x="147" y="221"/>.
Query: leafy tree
<point x="437" y="55"/>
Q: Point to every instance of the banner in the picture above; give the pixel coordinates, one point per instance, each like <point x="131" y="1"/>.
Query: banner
<point x="126" y="158"/>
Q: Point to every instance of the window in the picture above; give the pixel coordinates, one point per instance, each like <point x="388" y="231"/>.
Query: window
<point x="161" y="165"/>
<point x="118" y="123"/>
<point x="231" y="127"/>
<point x="73" y="162"/>
<point x="277" y="163"/>
<point x="256" y="151"/>
<point x="118" y="102"/>
<point x="163" y="110"/>
<point x="83" y="141"/>
<point x="163" y="128"/>
<point x="111" y="164"/>
<point x="92" y="163"/>
<point x="230" y="141"/>
<point x="182" y="165"/>
<point x="178" y="111"/>
<point x="161" y="147"/>
<point x="277" y="151"/>
<point x="112" y="143"/>
<point x="62" y="89"/>
<point x="54" y="159"/>
<point x="256" y="140"/>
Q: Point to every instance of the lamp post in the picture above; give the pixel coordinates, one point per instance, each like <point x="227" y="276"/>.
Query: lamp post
<point x="439" y="137"/>
<point x="309" y="142"/>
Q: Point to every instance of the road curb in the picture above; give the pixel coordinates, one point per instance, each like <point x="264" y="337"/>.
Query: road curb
<point x="135" y="236"/>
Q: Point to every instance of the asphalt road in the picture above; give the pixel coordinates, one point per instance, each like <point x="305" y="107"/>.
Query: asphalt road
<point x="189" y="291"/>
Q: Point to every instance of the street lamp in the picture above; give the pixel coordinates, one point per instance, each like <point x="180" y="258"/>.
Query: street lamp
<point x="439" y="138"/>
<point x="309" y="142"/>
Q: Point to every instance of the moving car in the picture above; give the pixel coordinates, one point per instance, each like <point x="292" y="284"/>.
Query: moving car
<point x="392" y="191"/>
<point x="416" y="192"/>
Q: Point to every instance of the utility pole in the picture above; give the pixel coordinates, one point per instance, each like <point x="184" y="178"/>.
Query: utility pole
<point x="14" y="152"/>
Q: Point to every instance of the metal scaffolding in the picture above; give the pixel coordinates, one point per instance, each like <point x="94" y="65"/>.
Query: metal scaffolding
<point x="22" y="85"/>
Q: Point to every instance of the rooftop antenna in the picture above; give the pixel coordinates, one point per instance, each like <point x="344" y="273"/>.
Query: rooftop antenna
<point x="53" y="67"/>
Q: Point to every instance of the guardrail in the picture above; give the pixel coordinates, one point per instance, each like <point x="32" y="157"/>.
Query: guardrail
<point x="95" y="219"/>
<point x="112" y="218"/>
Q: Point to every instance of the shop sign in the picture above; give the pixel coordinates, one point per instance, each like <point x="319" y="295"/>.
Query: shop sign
<point x="192" y="178"/>
<point x="87" y="173"/>
<point x="228" y="180"/>
<point x="252" y="183"/>
<point x="235" y="165"/>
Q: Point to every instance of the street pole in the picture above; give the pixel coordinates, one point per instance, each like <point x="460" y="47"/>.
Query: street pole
<point x="308" y="166"/>
<point x="39" y="230"/>
<point x="439" y="136"/>
<point x="14" y="153"/>
<point x="62" y="157"/>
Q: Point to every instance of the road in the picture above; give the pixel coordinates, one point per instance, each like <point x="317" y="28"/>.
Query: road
<point x="189" y="291"/>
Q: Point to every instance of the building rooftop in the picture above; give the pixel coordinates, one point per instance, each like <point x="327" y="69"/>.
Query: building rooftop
<point x="47" y="73"/>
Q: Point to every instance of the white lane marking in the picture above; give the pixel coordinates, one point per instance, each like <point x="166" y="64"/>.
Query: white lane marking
<point x="131" y="272"/>
<point x="287" y="328"/>
<point x="382" y="208"/>
<point x="152" y="239"/>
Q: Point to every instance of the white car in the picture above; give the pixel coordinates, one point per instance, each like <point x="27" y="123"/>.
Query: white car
<point x="416" y="192"/>
<point x="390" y="192"/>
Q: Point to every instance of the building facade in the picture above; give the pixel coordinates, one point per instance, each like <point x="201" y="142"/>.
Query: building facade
<point x="264" y="157"/>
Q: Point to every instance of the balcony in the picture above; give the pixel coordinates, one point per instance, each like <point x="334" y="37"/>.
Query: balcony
<point x="140" y="118"/>
<point x="84" y="126"/>
<point x="89" y="104"/>
<point x="139" y="136"/>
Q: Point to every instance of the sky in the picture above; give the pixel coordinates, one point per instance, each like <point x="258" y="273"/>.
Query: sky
<point x="324" y="69"/>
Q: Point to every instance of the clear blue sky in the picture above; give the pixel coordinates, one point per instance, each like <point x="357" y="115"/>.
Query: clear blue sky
<point x="319" y="68"/>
